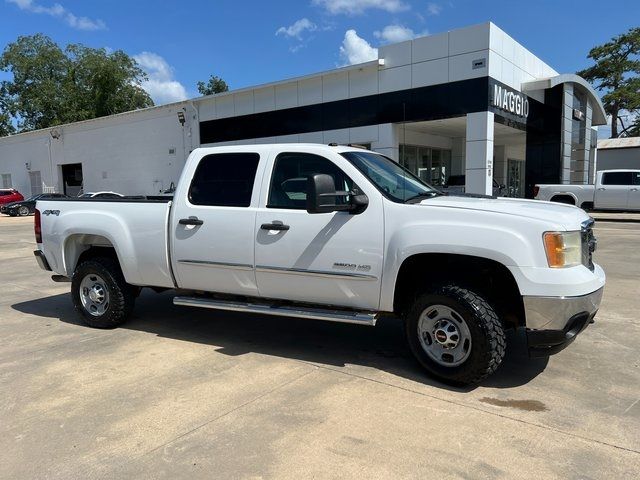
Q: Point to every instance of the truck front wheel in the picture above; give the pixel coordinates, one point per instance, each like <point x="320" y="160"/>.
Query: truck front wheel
<point x="455" y="334"/>
<point x="101" y="294"/>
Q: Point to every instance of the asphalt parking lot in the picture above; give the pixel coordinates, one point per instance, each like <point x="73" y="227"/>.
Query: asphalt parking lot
<point x="186" y="393"/>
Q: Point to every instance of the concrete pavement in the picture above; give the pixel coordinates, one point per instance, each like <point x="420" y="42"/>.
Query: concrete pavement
<point x="187" y="393"/>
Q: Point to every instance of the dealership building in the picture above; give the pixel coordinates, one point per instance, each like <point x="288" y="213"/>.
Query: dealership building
<point x="471" y="103"/>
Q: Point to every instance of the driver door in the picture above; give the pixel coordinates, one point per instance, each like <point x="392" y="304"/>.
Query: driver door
<point x="327" y="258"/>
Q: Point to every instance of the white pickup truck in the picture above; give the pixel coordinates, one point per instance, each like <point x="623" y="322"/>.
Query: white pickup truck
<point x="614" y="190"/>
<point x="335" y="233"/>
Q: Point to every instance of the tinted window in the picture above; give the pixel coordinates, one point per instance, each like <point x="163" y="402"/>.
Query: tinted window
<point x="4" y="193"/>
<point x="636" y="178"/>
<point x="224" y="180"/>
<point x="617" y="178"/>
<point x="289" y="179"/>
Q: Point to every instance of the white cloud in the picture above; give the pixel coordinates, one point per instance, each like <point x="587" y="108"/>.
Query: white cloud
<point x="395" y="34"/>
<point x="297" y="29"/>
<point x="58" y="11"/>
<point x="356" y="7"/>
<point x="161" y="85"/>
<point x="434" y="9"/>
<point x="355" y="49"/>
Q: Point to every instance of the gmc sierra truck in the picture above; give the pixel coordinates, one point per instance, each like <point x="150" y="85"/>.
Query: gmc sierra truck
<point x="335" y="233"/>
<point x="613" y="190"/>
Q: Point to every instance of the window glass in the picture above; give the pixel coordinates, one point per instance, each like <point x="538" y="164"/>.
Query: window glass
<point x="617" y="178"/>
<point x="636" y="178"/>
<point x="224" y="180"/>
<point x="289" y="180"/>
<point x="6" y="180"/>
<point x="394" y="181"/>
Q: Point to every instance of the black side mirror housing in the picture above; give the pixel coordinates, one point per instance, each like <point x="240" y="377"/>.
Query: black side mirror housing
<point x="322" y="194"/>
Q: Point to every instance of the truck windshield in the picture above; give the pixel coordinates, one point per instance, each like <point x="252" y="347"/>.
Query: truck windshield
<point x="394" y="181"/>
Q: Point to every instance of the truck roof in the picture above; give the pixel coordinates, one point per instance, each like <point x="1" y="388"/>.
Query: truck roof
<point x="319" y="146"/>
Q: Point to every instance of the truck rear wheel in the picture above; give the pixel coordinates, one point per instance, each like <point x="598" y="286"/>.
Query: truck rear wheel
<point x="455" y="335"/>
<point x="101" y="294"/>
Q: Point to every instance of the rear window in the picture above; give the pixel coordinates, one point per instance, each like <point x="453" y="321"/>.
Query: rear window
<point x="617" y="178"/>
<point x="224" y="180"/>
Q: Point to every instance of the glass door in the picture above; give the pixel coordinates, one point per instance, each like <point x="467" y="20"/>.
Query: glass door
<point x="515" y="178"/>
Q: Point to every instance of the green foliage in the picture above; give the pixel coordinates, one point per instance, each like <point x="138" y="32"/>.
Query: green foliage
<point x="214" y="85"/>
<point x="6" y="126"/>
<point x="634" y="129"/>
<point x="52" y="86"/>
<point x="615" y="72"/>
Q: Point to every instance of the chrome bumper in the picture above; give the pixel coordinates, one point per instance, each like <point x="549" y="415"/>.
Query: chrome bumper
<point x="553" y="313"/>
<point x="554" y="322"/>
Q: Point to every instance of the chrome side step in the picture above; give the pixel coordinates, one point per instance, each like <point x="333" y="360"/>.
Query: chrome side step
<point x="343" y="316"/>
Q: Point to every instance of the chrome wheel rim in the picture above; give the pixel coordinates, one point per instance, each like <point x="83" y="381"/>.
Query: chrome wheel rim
<point x="94" y="294"/>
<point x="444" y="335"/>
<point x="23" y="211"/>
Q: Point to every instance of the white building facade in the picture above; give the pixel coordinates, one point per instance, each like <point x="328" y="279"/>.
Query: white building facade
<point x="470" y="104"/>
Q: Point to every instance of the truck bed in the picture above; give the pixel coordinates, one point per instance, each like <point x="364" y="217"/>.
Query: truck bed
<point x="135" y="226"/>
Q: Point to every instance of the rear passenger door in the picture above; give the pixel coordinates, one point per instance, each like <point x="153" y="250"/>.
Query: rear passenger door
<point x="613" y="191"/>
<point x="212" y="224"/>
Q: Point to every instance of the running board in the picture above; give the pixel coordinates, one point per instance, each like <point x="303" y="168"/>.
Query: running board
<point x="343" y="316"/>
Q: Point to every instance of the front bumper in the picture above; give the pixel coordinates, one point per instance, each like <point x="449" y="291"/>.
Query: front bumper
<point x="554" y="322"/>
<point x="42" y="260"/>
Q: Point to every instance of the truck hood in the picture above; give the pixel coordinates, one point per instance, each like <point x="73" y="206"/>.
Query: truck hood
<point x="568" y="216"/>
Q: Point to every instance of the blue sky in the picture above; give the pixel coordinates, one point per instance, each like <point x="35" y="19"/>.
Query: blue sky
<point x="253" y="42"/>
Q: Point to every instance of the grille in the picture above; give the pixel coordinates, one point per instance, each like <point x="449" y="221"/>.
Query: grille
<point x="589" y="243"/>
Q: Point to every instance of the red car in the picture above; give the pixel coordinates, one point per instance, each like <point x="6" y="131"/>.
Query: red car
<point x="8" y="195"/>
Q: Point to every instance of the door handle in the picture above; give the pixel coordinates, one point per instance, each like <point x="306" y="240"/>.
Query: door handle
<point x="190" y="221"/>
<point x="274" y="226"/>
<point x="634" y="189"/>
<point x="601" y="189"/>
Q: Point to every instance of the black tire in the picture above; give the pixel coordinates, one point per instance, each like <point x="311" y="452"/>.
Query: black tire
<point x="23" y="211"/>
<point x="121" y="295"/>
<point x="488" y="342"/>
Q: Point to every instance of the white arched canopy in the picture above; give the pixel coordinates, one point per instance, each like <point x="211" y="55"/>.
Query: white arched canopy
<point x="599" y="115"/>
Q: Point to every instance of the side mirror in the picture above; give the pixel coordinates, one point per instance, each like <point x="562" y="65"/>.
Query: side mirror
<point x="322" y="194"/>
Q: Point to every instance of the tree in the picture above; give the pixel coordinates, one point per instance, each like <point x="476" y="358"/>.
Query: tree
<point x="51" y="86"/>
<point x="616" y="72"/>
<point x="6" y="126"/>
<point x="214" y="85"/>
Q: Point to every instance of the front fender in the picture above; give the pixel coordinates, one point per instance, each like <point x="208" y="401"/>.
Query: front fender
<point x="509" y="240"/>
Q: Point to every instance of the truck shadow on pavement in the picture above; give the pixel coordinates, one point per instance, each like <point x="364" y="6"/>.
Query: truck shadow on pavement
<point x="326" y="344"/>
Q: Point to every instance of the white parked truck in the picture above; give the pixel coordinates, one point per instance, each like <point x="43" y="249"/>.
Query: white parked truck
<point x="613" y="190"/>
<point x="335" y="233"/>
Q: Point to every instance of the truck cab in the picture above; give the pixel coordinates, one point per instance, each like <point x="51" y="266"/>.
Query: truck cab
<point x="617" y="190"/>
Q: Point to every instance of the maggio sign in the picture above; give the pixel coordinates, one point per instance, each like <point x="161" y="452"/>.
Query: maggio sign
<point x="510" y="101"/>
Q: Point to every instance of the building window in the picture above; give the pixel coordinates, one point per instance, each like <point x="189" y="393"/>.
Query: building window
<point x="6" y="180"/>
<point x="432" y="165"/>
<point x="36" y="182"/>
<point x="224" y="180"/>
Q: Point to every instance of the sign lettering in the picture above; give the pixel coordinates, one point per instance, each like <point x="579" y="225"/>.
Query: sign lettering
<point x="510" y="101"/>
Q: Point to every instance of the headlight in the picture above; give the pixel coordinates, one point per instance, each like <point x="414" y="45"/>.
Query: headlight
<point x="563" y="249"/>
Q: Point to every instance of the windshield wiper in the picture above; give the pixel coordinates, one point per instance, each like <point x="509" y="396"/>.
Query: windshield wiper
<point x="420" y="196"/>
